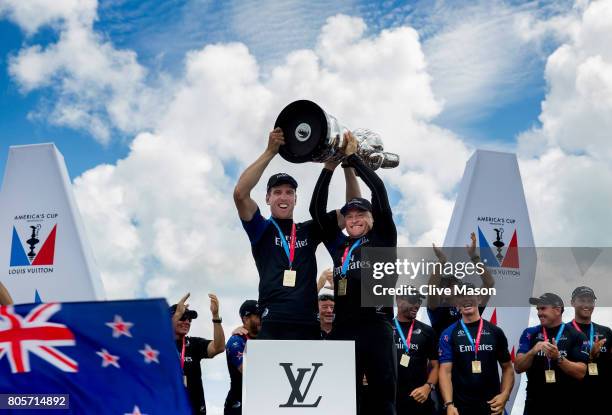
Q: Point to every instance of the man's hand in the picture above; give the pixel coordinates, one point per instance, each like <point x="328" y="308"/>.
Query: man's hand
<point x="451" y="410"/>
<point x="597" y="348"/>
<point x="539" y="346"/>
<point x="240" y="331"/>
<point x="439" y="254"/>
<point x="181" y="306"/>
<point x="471" y="249"/>
<point x="498" y="403"/>
<point x="421" y="394"/>
<point x="275" y="140"/>
<point x="350" y="145"/>
<point x="214" y="305"/>
<point x="326" y="276"/>
<point x="551" y="350"/>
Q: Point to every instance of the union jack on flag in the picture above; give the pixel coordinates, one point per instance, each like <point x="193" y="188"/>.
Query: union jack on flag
<point x="110" y="357"/>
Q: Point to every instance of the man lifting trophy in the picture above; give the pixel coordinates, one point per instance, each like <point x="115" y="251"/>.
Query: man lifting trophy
<point x="311" y="134"/>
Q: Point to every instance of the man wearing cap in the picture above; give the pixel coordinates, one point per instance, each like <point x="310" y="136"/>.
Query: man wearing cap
<point x="284" y="251"/>
<point x="417" y="356"/>
<point x="555" y="357"/>
<point x="234" y="350"/>
<point x="368" y="224"/>
<point x="470" y="352"/>
<point x="599" y="369"/>
<point x="326" y="314"/>
<point x="193" y="349"/>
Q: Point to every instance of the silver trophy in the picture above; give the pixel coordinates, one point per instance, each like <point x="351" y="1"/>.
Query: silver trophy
<point x="311" y="134"/>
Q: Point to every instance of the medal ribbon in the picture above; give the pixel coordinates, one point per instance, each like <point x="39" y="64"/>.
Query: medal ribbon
<point x="183" y="354"/>
<point x="289" y="251"/>
<point x="559" y="334"/>
<point x="469" y="336"/>
<point x="591" y="333"/>
<point x="347" y="256"/>
<point x="407" y="342"/>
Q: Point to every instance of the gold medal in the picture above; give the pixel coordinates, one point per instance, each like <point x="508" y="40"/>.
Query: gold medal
<point x="476" y="366"/>
<point x="289" y="278"/>
<point x="550" y="376"/>
<point x="593" y="369"/>
<point x="342" y="286"/>
<point x="405" y="360"/>
<point x="185" y="380"/>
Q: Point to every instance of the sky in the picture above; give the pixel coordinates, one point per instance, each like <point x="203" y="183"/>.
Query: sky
<point x="158" y="106"/>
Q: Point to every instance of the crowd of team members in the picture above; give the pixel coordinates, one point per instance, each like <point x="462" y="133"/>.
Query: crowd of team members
<point x="458" y="365"/>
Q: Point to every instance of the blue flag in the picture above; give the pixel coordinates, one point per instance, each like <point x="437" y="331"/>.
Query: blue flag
<point x="109" y="357"/>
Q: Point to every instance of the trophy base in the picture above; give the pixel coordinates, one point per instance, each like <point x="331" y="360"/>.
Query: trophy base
<point x="305" y="128"/>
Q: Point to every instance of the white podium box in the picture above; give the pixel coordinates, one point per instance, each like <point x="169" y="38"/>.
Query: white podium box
<point x="299" y="377"/>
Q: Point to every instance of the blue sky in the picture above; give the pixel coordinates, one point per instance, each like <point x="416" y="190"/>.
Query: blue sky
<point x="162" y="32"/>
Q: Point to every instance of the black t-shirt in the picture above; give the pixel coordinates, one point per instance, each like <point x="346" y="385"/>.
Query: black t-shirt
<point x="474" y="389"/>
<point x="572" y="345"/>
<point x="279" y="303"/>
<point x="383" y="234"/>
<point x="594" y="387"/>
<point x="423" y="347"/>
<point x="443" y="316"/>
<point x="196" y="349"/>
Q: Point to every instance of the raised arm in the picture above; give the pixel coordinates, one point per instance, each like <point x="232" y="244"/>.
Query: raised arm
<point x="487" y="279"/>
<point x="5" y="297"/>
<point x="250" y="177"/>
<point x="318" y="203"/>
<point x="218" y="344"/>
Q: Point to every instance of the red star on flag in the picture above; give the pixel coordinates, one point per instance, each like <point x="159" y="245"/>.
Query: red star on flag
<point x="120" y="327"/>
<point x="150" y="354"/>
<point x="135" y="411"/>
<point x="108" y="359"/>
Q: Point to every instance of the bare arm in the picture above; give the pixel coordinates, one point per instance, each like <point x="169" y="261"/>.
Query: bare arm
<point x="498" y="403"/>
<point x="523" y="361"/>
<point x="576" y="370"/>
<point x="446" y="385"/>
<point x="218" y="344"/>
<point x="250" y="177"/>
<point x="433" y="301"/>
<point x="421" y="393"/>
<point x="5" y="297"/>
<point x="326" y="276"/>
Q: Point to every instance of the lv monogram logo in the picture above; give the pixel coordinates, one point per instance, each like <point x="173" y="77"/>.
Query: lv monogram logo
<point x="296" y="384"/>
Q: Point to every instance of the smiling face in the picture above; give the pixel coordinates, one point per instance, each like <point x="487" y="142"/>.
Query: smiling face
<point x="181" y="327"/>
<point x="584" y="306"/>
<point x="326" y="311"/>
<point x="549" y="316"/>
<point x="358" y="222"/>
<point x="467" y="306"/>
<point x="281" y="200"/>
<point x="408" y="308"/>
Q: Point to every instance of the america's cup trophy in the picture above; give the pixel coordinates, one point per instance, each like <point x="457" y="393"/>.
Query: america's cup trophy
<point x="311" y="134"/>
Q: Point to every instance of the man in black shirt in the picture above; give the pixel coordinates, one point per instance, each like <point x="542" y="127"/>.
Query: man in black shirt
<point x="234" y="350"/>
<point x="326" y="314"/>
<point x="418" y="359"/>
<point x="555" y="358"/>
<point x="470" y="351"/>
<point x="193" y="349"/>
<point x="441" y="309"/>
<point x="367" y="224"/>
<point x="284" y="251"/>
<point x="599" y="369"/>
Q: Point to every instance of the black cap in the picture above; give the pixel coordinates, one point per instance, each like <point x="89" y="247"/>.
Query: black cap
<point x="281" y="178"/>
<point x="249" y="307"/>
<point x="188" y="314"/>
<point x="412" y="299"/>
<point x="583" y="292"/>
<point x="547" y="299"/>
<point x="357" y="203"/>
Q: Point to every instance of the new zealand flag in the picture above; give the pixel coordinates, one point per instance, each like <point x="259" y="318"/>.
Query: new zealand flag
<point x="111" y="357"/>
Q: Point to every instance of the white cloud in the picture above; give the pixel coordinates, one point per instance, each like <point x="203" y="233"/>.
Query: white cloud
<point x="566" y="162"/>
<point x="98" y="87"/>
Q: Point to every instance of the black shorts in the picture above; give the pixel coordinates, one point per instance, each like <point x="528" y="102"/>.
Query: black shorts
<point x="272" y="330"/>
